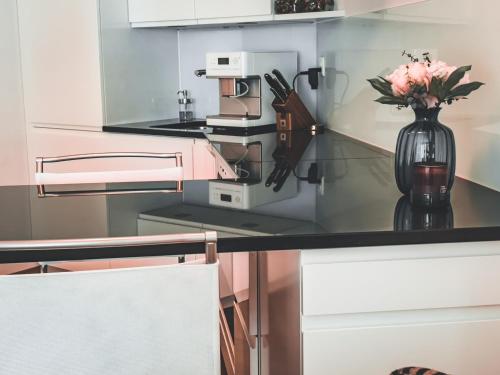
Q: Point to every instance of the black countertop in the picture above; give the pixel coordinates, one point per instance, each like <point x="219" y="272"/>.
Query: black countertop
<point x="169" y="127"/>
<point x="358" y="205"/>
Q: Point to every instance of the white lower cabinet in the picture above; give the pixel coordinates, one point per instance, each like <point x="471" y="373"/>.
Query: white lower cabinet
<point x="375" y="310"/>
<point x="459" y="348"/>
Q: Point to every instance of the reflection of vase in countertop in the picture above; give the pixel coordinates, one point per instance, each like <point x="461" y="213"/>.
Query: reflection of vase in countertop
<point x="426" y="143"/>
<point x="407" y="217"/>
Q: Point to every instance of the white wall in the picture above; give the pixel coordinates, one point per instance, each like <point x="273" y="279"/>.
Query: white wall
<point x="140" y="68"/>
<point x="13" y="154"/>
<point x="195" y="43"/>
<point x="460" y="32"/>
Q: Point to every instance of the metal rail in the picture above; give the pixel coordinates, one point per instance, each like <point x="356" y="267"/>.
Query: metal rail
<point x="41" y="161"/>
<point x="209" y="238"/>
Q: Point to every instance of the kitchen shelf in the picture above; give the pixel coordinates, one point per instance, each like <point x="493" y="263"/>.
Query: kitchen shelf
<point x="311" y="17"/>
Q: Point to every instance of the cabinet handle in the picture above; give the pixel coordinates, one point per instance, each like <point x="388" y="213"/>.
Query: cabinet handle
<point x="151" y="175"/>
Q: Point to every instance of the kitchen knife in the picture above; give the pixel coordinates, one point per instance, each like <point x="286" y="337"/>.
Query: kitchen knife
<point x="283" y="81"/>
<point x="281" y="172"/>
<point x="276" y="86"/>
<point x="282" y="179"/>
<point x="278" y="95"/>
<point x="272" y="177"/>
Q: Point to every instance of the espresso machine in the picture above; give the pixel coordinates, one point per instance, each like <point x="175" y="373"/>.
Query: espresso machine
<point x="244" y="130"/>
<point x="244" y="101"/>
<point x="251" y="158"/>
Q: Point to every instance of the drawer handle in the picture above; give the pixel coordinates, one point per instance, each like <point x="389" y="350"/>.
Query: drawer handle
<point x="151" y="175"/>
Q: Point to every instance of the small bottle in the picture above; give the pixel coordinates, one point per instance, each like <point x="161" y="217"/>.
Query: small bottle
<point x="185" y="102"/>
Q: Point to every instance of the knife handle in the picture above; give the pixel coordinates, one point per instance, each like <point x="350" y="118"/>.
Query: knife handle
<point x="282" y="179"/>
<point x="272" y="176"/>
<point x="276" y="86"/>
<point x="278" y="95"/>
<point x="283" y="81"/>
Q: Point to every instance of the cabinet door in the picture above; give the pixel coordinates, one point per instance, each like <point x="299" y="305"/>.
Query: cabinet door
<point x="232" y="8"/>
<point x="160" y="10"/>
<point x="60" y="52"/>
<point x="56" y="142"/>
<point x="458" y="348"/>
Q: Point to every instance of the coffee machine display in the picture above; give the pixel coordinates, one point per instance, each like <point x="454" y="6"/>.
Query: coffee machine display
<point x="252" y="159"/>
<point x="243" y="101"/>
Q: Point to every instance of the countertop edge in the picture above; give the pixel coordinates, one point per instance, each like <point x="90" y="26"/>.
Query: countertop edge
<point x="259" y="244"/>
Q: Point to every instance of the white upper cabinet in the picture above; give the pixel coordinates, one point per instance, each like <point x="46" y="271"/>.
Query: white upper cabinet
<point x="161" y="10"/>
<point x="232" y="8"/>
<point x="156" y="13"/>
<point x="83" y="67"/>
<point x="60" y="58"/>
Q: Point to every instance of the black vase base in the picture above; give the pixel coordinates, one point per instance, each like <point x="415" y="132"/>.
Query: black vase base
<point x="430" y="200"/>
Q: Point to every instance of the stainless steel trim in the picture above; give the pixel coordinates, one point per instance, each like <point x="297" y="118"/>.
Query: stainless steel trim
<point x="41" y="161"/>
<point x="43" y="194"/>
<point x="209" y="237"/>
<point x="148" y="155"/>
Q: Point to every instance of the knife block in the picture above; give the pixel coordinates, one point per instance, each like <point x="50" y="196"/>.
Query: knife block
<point x="293" y="114"/>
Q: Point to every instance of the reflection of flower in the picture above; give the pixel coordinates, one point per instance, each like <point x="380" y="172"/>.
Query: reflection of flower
<point x="424" y="84"/>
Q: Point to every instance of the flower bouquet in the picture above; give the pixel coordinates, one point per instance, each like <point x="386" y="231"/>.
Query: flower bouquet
<point x="424" y="83"/>
<point x="425" y="151"/>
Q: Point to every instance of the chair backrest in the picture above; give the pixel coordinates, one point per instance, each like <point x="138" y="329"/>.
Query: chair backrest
<point x="152" y="320"/>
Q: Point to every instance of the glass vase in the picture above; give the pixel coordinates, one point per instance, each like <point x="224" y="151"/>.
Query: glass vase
<point x="426" y="160"/>
<point x="407" y="217"/>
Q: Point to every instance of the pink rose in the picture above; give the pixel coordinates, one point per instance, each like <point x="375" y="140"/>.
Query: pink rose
<point x="400" y="85"/>
<point x="399" y="80"/>
<point x="418" y="74"/>
<point x="439" y="69"/>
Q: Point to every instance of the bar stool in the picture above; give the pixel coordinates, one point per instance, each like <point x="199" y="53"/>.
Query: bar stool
<point x="416" y="371"/>
<point x="148" y="320"/>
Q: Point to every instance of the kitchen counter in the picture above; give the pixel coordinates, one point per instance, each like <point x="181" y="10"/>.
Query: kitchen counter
<point x="169" y="127"/>
<point x="357" y="205"/>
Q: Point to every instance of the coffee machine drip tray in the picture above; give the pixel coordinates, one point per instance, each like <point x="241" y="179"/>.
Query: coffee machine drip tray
<point x="233" y="117"/>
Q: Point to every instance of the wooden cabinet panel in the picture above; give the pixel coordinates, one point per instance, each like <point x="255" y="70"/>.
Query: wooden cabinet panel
<point x="160" y="10"/>
<point x="232" y="8"/>
<point x="460" y="348"/>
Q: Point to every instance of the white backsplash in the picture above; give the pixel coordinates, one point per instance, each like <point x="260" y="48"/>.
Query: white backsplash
<point x="195" y="43"/>
<point x="457" y="31"/>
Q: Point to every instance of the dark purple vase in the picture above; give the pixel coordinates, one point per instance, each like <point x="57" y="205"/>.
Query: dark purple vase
<point x="426" y="146"/>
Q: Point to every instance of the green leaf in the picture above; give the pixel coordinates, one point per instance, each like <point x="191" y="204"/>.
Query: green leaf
<point x="455" y="78"/>
<point x="385" y="80"/>
<point x="391" y="100"/>
<point x="464" y="90"/>
<point x="436" y="88"/>
<point x="381" y="86"/>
